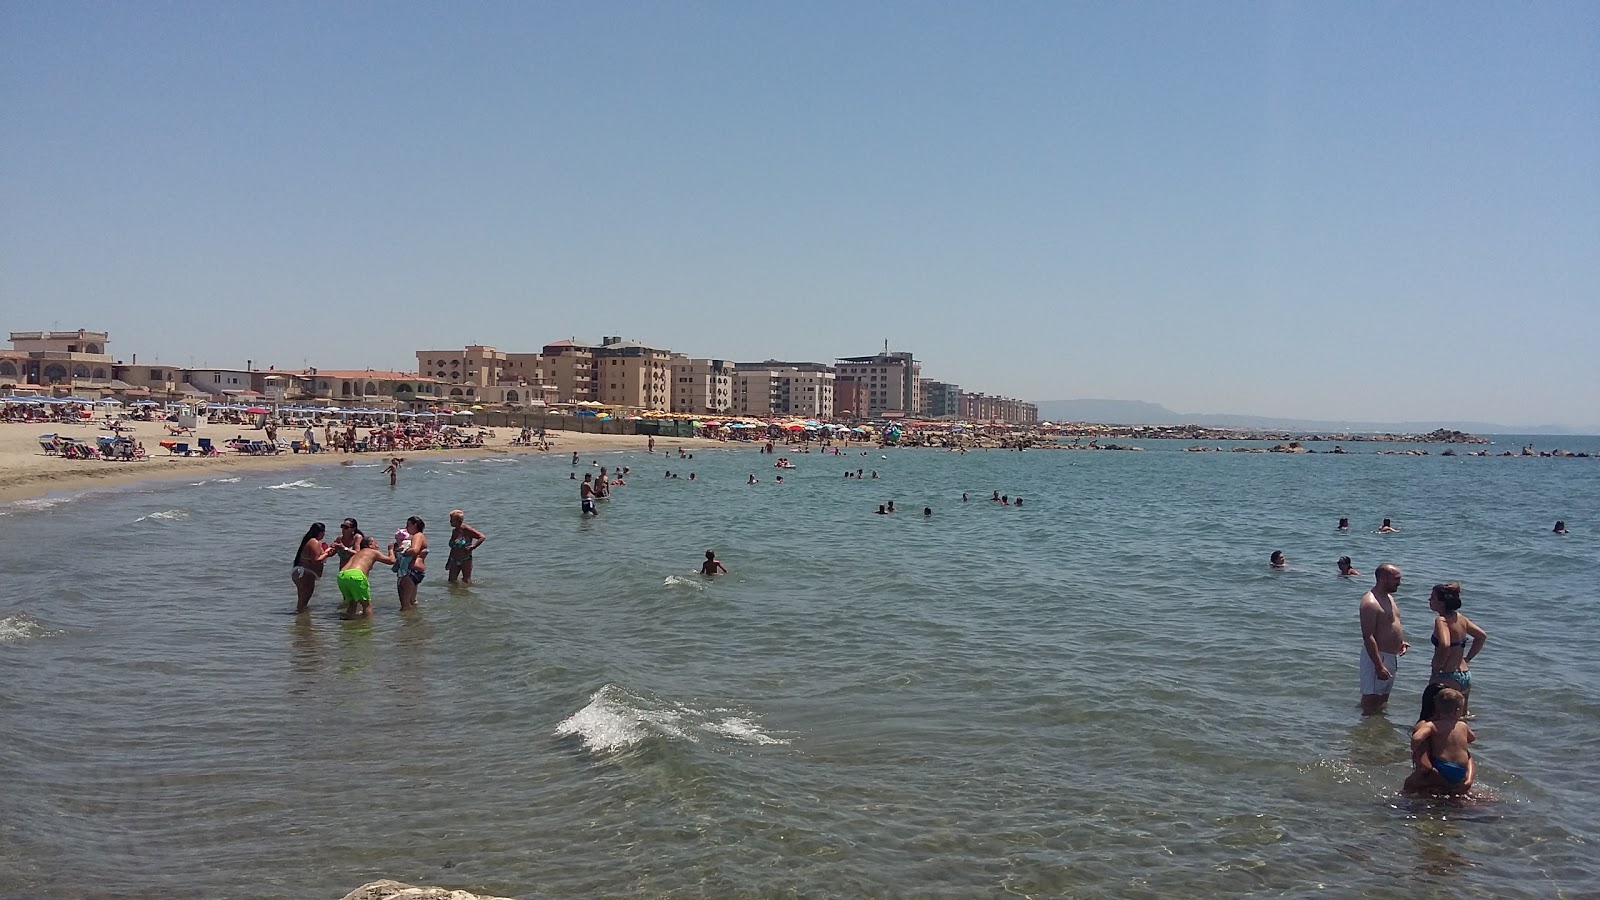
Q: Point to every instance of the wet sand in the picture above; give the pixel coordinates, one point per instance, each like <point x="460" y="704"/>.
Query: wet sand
<point x="27" y="472"/>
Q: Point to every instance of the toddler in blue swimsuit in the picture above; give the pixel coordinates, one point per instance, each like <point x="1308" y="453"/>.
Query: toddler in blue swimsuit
<point x="1440" y="749"/>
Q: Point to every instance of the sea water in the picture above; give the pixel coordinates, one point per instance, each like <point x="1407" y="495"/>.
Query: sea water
<point x="1104" y="692"/>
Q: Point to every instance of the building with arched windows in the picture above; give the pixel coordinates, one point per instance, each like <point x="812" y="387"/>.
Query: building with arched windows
<point x="64" y="359"/>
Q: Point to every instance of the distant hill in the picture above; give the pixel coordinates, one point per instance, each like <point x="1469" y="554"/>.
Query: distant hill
<point x="1138" y="412"/>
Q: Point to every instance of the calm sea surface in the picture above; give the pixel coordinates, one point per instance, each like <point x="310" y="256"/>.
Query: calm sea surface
<point x="1105" y="692"/>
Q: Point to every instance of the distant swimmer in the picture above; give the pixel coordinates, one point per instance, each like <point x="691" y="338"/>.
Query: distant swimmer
<point x="1344" y="523"/>
<point x="691" y="477"/>
<point x="963" y="496"/>
<point x="996" y="497"/>
<point x="711" y="566"/>
<point x="393" y="469"/>
<point x="1440" y="749"/>
<point x="1346" y="570"/>
<point x="464" y="539"/>
<point x="891" y="506"/>
<point x="874" y="473"/>
<point x="1561" y="527"/>
<point x="927" y="512"/>
<point x="752" y="478"/>
<point x="882" y="511"/>
<point x="354" y="586"/>
<point x="777" y="480"/>
<point x="586" y="494"/>
<point x="574" y="457"/>
<point x="1383" y="638"/>
<point x="1019" y="502"/>
<point x="1005" y="499"/>
<point x="308" y="564"/>
<point x="1277" y="561"/>
<point x="1386" y="528"/>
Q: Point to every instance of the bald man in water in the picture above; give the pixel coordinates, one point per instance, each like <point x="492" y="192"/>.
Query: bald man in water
<point x="1383" y="640"/>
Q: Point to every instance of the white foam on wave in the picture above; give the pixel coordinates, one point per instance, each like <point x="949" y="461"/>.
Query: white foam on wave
<point x="21" y="627"/>
<point x="42" y="502"/>
<point x="616" y="719"/>
<point x="227" y="481"/>
<point x="291" y="485"/>
<point x="362" y="465"/>
<point x="684" y="581"/>
<point x="166" y="515"/>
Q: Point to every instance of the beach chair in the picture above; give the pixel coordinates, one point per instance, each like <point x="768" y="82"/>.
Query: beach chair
<point x="295" y="446"/>
<point x="179" y="449"/>
<point x="47" y="443"/>
<point x="207" y="450"/>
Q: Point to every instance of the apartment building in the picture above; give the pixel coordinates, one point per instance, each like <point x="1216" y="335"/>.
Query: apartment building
<point x="940" y="399"/>
<point x="849" y="398"/>
<point x="702" y="386"/>
<point x="570" y="366"/>
<point x="475" y="366"/>
<point x="756" y="392"/>
<point x="891" y="381"/>
<point x="633" y="375"/>
<point x="978" y="407"/>
<point x="803" y="389"/>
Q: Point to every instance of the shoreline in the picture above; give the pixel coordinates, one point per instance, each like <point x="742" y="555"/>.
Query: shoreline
<point x="34" y="476"/>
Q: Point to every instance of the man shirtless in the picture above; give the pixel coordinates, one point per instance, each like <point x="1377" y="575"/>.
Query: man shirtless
<point x="1383" y="640"/>
<point x="354" y="586"/>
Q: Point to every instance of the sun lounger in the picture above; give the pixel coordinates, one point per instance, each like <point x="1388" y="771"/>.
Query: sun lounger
<point x="180" y="449"/>
<point x="47" y="443"/>
<point x="206" y="449"/>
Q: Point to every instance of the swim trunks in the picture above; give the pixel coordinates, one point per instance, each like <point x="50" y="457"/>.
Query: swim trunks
<point x="1455" y="773"/>
<point x="354" y="587"/>
<point x="588" y="505"/>
<point x="1369" y="673"/>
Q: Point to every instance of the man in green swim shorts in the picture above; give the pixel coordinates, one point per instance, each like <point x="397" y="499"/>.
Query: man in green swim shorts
<point x="353" y="584"/>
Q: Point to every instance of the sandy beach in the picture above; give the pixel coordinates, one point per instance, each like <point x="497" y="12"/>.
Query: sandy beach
<point x="27" y="472"/>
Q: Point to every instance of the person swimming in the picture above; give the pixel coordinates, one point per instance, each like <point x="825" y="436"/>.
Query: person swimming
<point x="1344" y="524"/>
<point x="1561" y="527"/>
<point x="711" y="566"/>
<point x="1346" y="570"/>
<point x="1277" y="560"/>
<point x="1387" y="528"/>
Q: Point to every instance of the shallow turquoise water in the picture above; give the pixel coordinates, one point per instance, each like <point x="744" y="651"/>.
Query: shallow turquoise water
<point x="1103" y="693"/>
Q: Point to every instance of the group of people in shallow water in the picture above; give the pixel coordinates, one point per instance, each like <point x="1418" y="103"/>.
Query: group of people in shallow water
<point x="1441" y="739"/>
<point x="406" y="556"/>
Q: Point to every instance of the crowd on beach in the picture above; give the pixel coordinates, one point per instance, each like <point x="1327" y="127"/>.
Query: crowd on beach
<point x="1441" y="739"/>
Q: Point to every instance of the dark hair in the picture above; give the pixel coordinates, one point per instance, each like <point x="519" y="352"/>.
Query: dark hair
<point x="1449" y="594"/>
<point x="317" y="530"/>
<point x="1344" y="560"/>
<point x="414" y="520"/>
<point x="352" y="521"/>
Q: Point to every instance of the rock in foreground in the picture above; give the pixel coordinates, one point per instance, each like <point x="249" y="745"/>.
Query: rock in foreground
<point x="394" y="890"/>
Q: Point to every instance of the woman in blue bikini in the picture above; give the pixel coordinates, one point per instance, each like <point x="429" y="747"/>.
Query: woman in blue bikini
<point x="1451" y="653"/>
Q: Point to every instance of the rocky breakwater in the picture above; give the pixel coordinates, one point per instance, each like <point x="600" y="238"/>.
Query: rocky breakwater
<point x="1205" y="433"/>
<point x="394" y="890"/>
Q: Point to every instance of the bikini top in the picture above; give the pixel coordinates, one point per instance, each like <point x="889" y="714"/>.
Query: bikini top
<point x="1460" y="643"/>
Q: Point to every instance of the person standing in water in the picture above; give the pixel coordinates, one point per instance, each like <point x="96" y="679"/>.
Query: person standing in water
<point x="308" y="564"/>
<point x="413" y="564"/>
<point x="393" y="469"/>
<point x="354" y="586"/>
<point x="464" y="539"/>
<point x="1383" y="639"/>
<point x="1452" y="633"/>
<point x="711" y="566"/>
<point x="348" y="541"/>
<point x="586" y="493"/>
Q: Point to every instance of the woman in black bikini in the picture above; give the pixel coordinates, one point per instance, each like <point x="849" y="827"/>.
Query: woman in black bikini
<point x="1451" y="631"/>
<point x="308" y="564"/>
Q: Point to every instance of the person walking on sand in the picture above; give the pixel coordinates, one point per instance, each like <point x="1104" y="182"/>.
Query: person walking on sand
<point x="1383" y="639"/>
<point x="711" y="566"/>
<point x="413" y="563"/>
<point x="308" y="564"/>
<point x="354" y="585"/>
<point x="463" y="540"/>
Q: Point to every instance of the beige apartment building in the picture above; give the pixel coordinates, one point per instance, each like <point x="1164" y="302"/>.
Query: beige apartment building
<point x="633" y="375"/>
<point x="475" y="366"/>
<point x="702" y="386"/>
<point x="755" y="393"/>
<point x="801" y="389"/>
<point x="570" y="367"/>
<point x="890" y="379"/>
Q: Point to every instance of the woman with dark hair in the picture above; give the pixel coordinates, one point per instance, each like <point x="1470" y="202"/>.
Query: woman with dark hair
<point x="308" y="564"/>
<point x="413" y="563"/>
<point x="349" y="539"/>
<point x="1451" y="631"/>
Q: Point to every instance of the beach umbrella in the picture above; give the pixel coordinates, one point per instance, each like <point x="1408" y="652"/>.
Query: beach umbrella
<point x="256" y="411"/>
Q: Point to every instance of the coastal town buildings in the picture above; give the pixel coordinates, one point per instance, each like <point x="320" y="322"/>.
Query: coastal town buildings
<point x="631" y="374"/>
<point x="570" y="367"/>
<point x="474" y="366"/>
<point x="849" y="398"/>
<point x="940" y="400"/>
<point x="68" y="359"/>
<point x="801" y="389"/>
<point x="701" y="386"/>
<point x="891" y="381"/>
<point x="976" y="407"/>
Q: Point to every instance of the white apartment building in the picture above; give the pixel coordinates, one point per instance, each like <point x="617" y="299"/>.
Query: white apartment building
<point x="702" y="386"/>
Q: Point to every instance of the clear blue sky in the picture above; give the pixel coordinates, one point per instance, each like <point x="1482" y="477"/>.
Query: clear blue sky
<point x="1369" y="211"/>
